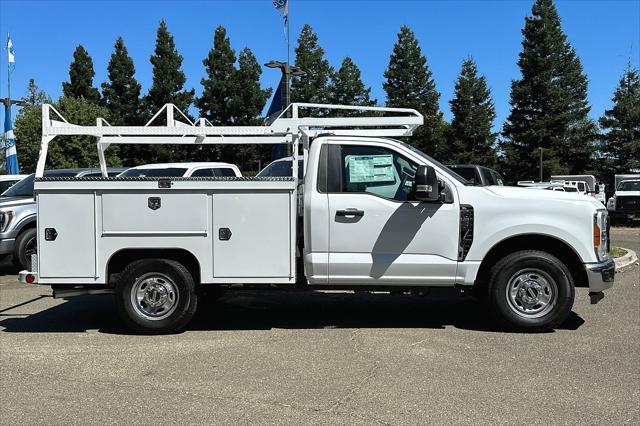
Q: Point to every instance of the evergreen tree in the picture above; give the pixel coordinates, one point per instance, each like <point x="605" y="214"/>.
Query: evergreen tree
<point x="410" y="84"/>
<point x="35" y="96"/>
<point x="220" y="83"/>
<point x="347" y="88"/>
<point x="621" y="139"/>
<point x="312" y="85"/>
<point x="121" y="94"/>
<point x="168" y="78"/>
<point x="549" y="106"/>
<point x="81" y="75"/>
<point x="166" y="87"/>
<point x="471" y="139"/>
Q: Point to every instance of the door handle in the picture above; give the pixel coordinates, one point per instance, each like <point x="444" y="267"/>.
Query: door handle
<point x="350" y="212"/>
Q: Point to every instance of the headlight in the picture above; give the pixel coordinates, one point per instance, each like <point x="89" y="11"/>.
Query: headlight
<point x="6" y="216"/>
<point x="601" y="234"/>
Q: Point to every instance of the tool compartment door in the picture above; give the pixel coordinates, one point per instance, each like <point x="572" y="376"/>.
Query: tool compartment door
<point x="70" y="250"/>
<point x="252" y="235"/>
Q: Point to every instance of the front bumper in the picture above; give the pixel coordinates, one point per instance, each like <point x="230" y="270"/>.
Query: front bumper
<point x="601" y="275"/>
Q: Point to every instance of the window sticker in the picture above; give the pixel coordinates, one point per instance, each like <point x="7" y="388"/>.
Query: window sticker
<point x="370" y="168"/>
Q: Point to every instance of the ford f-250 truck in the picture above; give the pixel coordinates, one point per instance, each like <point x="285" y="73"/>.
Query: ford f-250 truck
<point x="370" y="213"/>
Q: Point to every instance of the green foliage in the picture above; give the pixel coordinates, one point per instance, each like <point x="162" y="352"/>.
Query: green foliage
<point x="549" y="106"/>
<point x="470" y="138"/>
<point x="34" y="95"/>
<point x="166" y="87"/>
<point x="312" y="86"/>
<point x="620" y="141"/>
<point x="410" y="84"/>
<point x="231" y="96"/>
<point x="121" y="96"/>
<point x="81" y="75"/>
<point x="347" y="88"/>
<point x="64" y="151"/>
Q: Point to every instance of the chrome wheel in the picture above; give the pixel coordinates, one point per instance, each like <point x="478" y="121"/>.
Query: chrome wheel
<point x="154" y="296"/>
<point x="531" y="293"/>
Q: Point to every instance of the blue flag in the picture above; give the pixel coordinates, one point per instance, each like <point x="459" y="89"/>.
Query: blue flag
<point x="283" y="7"/>
<point x="10" y="143"/>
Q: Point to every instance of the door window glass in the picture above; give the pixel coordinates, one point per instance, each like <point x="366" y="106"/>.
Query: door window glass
<point x="224" y="172"/>
<point x="377" y="171"/>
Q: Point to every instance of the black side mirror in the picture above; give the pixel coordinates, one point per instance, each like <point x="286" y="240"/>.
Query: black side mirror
<point x="597" y="191"/>
<point x="425" y="184"/>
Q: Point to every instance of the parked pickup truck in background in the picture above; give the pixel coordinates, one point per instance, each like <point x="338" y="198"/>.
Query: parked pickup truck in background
<point x="7" y="181"/>
<point x="376" y="214"/>
<point x="18" y="214"/>
<point x="625" y="203"/>
<point x="202" y="169"/>
<point x="478" y="175"/>
<point x="586" y="184"/>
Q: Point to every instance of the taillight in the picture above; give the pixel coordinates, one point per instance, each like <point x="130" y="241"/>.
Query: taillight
<point x="30" y="278"/>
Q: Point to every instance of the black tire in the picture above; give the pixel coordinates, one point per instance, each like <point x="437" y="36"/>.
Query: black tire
<point x="150" y="277"/>
<point x="520" y="284"/>
<point x="25" y="245"/>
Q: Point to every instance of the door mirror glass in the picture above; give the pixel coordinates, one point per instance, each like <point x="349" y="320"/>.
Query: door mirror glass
<point x="425" y="184"/>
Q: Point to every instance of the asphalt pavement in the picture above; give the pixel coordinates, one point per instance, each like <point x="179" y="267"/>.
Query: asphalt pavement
<point x="276" y="357"/>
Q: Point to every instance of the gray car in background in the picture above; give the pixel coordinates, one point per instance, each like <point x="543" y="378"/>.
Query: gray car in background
<point x="18" y="214"/>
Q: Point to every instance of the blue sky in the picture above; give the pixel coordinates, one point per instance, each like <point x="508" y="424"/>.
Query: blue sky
<point x="45" y="32"/>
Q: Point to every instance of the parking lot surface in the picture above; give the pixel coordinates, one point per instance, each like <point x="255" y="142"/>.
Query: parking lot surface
<point x="275" y="357"/>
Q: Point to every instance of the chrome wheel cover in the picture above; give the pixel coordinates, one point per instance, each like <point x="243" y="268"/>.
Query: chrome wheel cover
<point x="154" y="296"/>
<point x="531" y="293"/>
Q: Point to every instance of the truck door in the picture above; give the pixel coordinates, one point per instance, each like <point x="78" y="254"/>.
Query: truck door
<point x="377" y="236"/>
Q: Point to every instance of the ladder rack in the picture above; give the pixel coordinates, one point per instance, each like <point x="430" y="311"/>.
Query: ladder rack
<point x="290" y="127"/>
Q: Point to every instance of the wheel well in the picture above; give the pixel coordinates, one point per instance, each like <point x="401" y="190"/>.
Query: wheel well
<point x="122" y="258"/>
<point x="551" y="245"/>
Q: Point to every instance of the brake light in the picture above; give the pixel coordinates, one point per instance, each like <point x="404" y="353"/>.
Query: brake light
<point x="30" y="278"/>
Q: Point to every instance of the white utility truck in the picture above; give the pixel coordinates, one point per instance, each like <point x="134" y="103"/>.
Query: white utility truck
<point x="370" y="213"/>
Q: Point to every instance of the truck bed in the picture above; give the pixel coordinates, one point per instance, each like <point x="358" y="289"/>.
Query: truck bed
<point x="239" y="229"/>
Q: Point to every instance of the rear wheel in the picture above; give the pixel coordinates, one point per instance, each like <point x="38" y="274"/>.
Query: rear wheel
<point x="156" y="296"/>
<point x="531" y="290"/>
<point x="26" y="245"/>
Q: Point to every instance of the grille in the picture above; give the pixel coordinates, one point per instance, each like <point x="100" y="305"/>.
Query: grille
<point x="628" y="202"/>
<point x="466" y="231"/>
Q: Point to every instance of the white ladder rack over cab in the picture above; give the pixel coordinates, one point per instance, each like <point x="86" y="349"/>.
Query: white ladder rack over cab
<point x="291" y="127"/>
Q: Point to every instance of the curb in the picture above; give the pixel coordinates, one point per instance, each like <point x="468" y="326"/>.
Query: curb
<point x="626" y="260"/>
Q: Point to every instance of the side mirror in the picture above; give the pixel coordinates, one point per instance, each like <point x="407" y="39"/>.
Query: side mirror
<point x="597" y="191"/>
<point x="425" y="184"/>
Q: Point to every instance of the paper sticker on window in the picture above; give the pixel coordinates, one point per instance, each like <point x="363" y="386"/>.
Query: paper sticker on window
<point x="370" y="168"/>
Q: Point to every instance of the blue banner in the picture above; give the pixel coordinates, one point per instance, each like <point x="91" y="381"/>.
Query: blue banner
<point x="10" y="143"/>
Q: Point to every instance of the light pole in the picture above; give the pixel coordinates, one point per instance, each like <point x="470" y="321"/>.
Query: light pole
<point x="541" y="169"/>
<point x="287" y="72"/>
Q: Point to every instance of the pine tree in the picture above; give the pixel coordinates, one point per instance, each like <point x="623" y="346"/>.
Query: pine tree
<point x="247" y="106"/>
<point x="621" y="140"/>
<point x="312" y="85"/>
<point x="471" y="139"/>
<point x="166" y="87"/>
<point x="81" y="75"/>
<point x="168" y="78"/>
<point x="410" y="84"/>
<point x="347" y="88"/>
<point x="549" y="106"/>
<point x="220" y="83"/>
<point x="121" y="94"/>
<point x="35" y="96"/>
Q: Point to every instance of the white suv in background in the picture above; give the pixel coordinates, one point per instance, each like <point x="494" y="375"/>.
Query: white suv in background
<point x="183" y="170"/>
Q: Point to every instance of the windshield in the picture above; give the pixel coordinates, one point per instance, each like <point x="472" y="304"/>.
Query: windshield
<point x="633" y="185"/>
<point x="166" y="172"/>
<point x="24" y="188"/>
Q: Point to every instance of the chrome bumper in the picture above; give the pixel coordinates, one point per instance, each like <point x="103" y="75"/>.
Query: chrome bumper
<point x="601" y="275"/>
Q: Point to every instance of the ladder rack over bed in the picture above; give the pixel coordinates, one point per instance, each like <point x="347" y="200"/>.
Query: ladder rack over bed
<point x="297" y="124"/>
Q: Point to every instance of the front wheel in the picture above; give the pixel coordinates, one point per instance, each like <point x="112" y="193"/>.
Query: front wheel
<point x="531" y="290"/>
<point x="156" y="296"/>
<point x="26" y="245"/>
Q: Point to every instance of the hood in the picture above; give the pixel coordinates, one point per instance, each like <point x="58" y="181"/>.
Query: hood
<point x="539" y="194"/>
<point x="627" y="193"/>
<point x="15" y="201"/>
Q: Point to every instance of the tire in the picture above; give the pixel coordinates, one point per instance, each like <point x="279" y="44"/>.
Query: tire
<point x="531" y="290"/>
<point x="26" y="245"/>
<point x="156" y="296"/>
